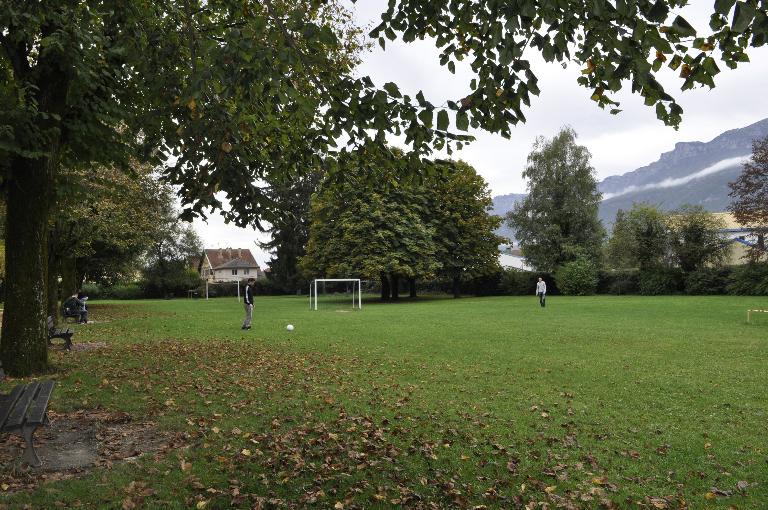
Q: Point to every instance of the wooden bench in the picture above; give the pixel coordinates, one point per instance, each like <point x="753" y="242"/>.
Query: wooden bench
<point x="23" y="410"/>
<point x="64" y="334"/>
<point x="750" y="312"/>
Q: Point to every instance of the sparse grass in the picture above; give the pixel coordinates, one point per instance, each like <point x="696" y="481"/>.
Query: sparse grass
<point x="593" y="402"/>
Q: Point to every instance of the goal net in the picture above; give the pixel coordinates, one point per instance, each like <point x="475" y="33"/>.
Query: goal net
<point x="336" y="293"/>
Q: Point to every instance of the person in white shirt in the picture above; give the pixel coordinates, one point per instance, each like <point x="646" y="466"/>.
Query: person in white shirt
<point x="541" y="291"/>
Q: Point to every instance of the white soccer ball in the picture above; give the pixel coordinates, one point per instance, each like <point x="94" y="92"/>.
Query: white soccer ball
<point x="289" y="327"/>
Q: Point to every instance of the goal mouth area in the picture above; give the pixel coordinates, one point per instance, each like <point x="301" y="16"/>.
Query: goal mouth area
<point x="352" y="284"/>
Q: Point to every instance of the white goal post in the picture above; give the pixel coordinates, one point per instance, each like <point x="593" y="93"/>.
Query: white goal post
<point x="355" y="285"/>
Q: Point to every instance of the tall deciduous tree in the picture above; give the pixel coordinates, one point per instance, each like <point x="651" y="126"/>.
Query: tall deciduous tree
<point x="557" y="221"/>
<point x="750" y="197"/>
<point x="377" y="232"/>
<point x="239" y="92"/>
<point x="467" y="245"/>
<point x="696" y="238"/>
<point x="101" y="226"/>
<point x="639" y="238"/>
<point x="173" y="245"/>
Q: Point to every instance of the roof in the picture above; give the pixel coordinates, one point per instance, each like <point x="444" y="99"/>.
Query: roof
<point x="230" y="257"/>
<point x="236" y="263"/>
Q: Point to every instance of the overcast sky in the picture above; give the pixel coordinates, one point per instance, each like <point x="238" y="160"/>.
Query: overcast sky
<point x="618" y="144"/>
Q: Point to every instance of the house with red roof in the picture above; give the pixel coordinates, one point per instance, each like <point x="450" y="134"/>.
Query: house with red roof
<point x="228" y="265"/>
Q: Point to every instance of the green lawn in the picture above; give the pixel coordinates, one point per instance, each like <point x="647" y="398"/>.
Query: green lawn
<point x="593" y="402"/>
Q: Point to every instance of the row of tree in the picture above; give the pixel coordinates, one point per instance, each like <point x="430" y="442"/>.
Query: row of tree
<point x="559" y="232"/>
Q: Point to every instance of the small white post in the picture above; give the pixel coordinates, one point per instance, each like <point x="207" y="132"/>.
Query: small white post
<point x="315" y="294"/>
<point x="238" y="290"/>
<point x="359" y="295"/>
<point x="206" y="290"/>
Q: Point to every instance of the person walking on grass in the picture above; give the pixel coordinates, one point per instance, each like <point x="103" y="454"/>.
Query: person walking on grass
<point x="248" y="302"/>
<point x="541" y="291"/>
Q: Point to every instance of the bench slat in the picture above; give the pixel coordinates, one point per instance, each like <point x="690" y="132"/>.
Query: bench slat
<point x="6" y="405"/>
<point x="36" y="413"/>
<point x="16" y="419"/>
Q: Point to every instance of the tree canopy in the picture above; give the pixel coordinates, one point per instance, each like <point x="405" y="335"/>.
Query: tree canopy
<point x="557" y="220"/>
<point x="438" y="225"/>
<point x="639" y="238"/>
<point x="750" y="197"/>
<point x="696" y="238"/>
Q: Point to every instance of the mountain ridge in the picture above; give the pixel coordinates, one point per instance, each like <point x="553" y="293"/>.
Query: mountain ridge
<point x="693" y="172"/>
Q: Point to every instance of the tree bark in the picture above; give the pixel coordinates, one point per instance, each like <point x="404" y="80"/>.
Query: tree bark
<point x="53" y="287"/>
<point x="456" y="287"/>
<point x="412" y="286"/>
<point x="69" y="276"/>
<point x="384" y="287"/>
<point x="395" y="287"/>
<point x="24" y="345"/>
<point x="30" y="184"/>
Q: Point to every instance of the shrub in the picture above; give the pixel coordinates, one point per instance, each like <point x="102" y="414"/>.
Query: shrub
<point x="175" y="281"/>
<point x="660" y="281"/>
<point x="518" y="282"/>
<point x="749" y="280"/>
<point x="124" y="291"/>
<point x="119" y="291"/>
<point x="618" y="282"/>
<point x="92" y="290"/>
<point x="706" y="281"/>
<point x="578" y="277"/>
<point x="485" y="285"/>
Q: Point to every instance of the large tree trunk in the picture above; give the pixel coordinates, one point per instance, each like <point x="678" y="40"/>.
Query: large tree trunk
<point x="68" y="276"/>
<point x="456" y="286"/>
<point x="53" y="287"/>
<point x="384" y="287"/>
<point x="30" y="184"/>
<point x="412" y="286"/>
<point x="395" y="280"/>
<point x="24" y="345"/>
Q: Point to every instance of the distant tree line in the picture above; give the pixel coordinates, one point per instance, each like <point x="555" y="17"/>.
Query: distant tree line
<point x="648" y="251"/>
<point x="436" y="229"/>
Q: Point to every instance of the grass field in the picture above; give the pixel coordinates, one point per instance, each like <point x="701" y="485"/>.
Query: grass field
<point x="593" y="402"/>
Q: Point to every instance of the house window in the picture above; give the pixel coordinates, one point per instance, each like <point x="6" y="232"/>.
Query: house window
<point x="234" y="272"/>
<point x="246" y="271"/>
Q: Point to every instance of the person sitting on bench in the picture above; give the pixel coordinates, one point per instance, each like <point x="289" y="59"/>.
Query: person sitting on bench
<point x="80" y="298"/>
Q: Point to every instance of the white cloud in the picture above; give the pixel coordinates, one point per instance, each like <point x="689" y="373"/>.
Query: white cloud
<point x="679" y="181"/>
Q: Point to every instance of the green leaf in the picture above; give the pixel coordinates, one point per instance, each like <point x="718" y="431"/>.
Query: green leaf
<point x="742" y="17"/>
<point x="425" y="116"/>
<point x="462" y="121"/>
<point x="442" y="120"/>
<point x="682" y="28"/>
<point x="724" y="6"/>
<point x="392" y="89"/>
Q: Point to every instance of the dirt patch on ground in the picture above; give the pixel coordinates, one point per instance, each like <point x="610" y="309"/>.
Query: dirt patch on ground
<point x="74" y="444"/>
<point x="90" y="346"/>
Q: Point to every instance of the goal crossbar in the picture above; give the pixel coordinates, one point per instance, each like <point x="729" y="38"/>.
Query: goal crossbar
<point x="355" y="284"/>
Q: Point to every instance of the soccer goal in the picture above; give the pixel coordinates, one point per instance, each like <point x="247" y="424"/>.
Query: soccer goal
<point x="336" y="295"/>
